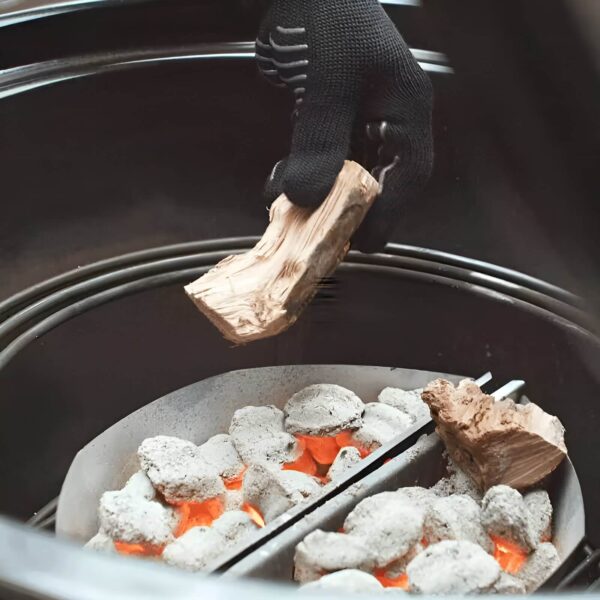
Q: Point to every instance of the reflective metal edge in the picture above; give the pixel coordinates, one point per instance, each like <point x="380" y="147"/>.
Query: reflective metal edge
<point x="24" y="78"/>
<point x="20" y="11"/>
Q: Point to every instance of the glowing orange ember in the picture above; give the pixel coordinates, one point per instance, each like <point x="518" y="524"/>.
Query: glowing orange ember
<point x="196" y="514"/>
<point x="323" y="449"/>
<point x="318" y="454"/>
<point x="138" y="549"/>
<point x="254" y="514"/>
<point x="392" y="582"/>
<point x="235" y="483"/>
<point x="344" y="439"/>
<point x="509" y="556"/>
<point x="305" y="463"/>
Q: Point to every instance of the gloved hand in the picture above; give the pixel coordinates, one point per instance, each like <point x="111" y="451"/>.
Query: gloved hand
<point x="360" y="94"/>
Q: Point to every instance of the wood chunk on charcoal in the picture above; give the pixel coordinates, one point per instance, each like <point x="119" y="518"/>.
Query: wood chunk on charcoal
<point x="348" y="580"/>
<point x="380" y="424"/>
<point x="495" y="442"/>
<point x="540" y="565"/>
<point x="196" y="549"/>
<point x="504" y="514"/>
<point x="178" y="471"/>
<point x="508" y="585"/>
<point x="128" y="516"/>
<point x="259" y="436"/>
<point x="389" y="526"/>
<point x="101" y="543"/>
<point x="275" y="492"/>
<point x="323" y="409"/>
<point x="219" y="453"/>
<point x="346" y="459"/>
<point x="407" y="401"/>
<point x="456" y="518"/>
<point x="452" y="567"/>
<point x="235" y="526"/>
<point x="324" y="552"/>
<point x="539" y="509"/>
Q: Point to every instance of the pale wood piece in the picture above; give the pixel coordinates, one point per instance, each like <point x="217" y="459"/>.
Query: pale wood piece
<point x="261" y="293"/>
<point x="495" y="442"/>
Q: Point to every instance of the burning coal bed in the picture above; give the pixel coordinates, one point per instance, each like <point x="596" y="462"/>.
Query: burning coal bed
<point x="189" y="505"/>
<point x="447" y="539"/>
<point x="451" y="538"/>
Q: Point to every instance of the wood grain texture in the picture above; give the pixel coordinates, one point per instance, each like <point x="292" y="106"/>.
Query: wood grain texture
<point x="495" y="442"/>
<point x="261" y="293"/>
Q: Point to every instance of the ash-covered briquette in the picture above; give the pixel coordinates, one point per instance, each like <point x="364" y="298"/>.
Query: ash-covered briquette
<point x="457" y="482"/>
<point x="259" y="436"/>
<point x="398" y="567"/>
<point x="219" y="453"/>
<point x="101" y="543"/>
<point x="345" y="460"/>
<point x="323" y="409"/>
<point x="456" y="517"/>
<point x="421" y="497"/>
<point x="539" y="510"/>
<point x="200" y="547"/>
<point x="504" y="514"/>
<point x="131" y="516"/>
<point x="195" y="550"/>
<point x="406" y="401"/>
<point x="275" y="492"/>
<point x="234" y="499"/>
<point x="323" y="552"/>
<point x="540" y="565"/>
<point x="349" y="580"/>
<point x="388" y="524"/>
<point x="140" y="485"/>
<point x="453" y="567"/>
<point x="235" y="526"/>
<point x="176" y="468"/>
<point x="508" y="585"/>
<point x="380" y="424"/>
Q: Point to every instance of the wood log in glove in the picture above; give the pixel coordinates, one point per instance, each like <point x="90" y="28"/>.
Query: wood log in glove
<point x="360" y="94"/>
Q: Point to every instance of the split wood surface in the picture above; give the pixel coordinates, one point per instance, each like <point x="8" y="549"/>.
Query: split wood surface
<point x="261" y="293"/>
<point x="495" y="442"/>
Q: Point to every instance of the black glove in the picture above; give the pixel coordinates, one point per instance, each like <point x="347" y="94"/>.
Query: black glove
<point x="359" y="94"/>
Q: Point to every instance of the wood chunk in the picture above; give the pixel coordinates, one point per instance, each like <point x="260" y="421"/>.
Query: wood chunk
<point x="261" y="293"/>
<point x="495" y="442"/>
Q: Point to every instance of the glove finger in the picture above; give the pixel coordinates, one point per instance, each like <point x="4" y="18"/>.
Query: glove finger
<point x="404" y="163"/>
<point x="274" y="185"/>
<point x="379" y="224"/>
<point x="320" y="145"/>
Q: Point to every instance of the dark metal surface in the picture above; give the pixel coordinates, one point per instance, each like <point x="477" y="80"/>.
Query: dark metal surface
<point x="70" y="297"/>
<point x="167" y="151"/>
